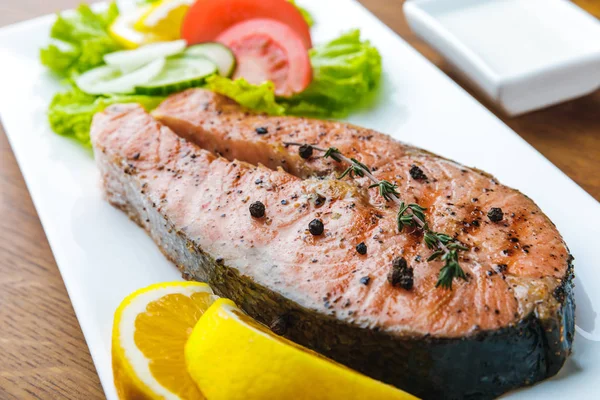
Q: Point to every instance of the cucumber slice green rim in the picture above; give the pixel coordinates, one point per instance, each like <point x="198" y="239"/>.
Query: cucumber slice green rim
<point x="179" y="73"/>
<point x="111" y="80"/>
<point x="221" y="55"/>
<point x="129" y="60"/>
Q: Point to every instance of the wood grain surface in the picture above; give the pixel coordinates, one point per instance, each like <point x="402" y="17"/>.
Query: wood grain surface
<point x="43" y="354"/>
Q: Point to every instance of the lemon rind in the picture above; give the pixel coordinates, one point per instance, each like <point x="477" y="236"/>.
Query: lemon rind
<point x="124" y="328"/>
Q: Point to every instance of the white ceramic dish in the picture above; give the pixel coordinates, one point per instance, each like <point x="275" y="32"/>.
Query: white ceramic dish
<point x="103" y="256"/>
<point x="523" y="54"/>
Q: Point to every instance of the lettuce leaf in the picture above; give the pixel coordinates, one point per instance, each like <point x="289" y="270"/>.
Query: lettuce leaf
<point x="59" y="56"/>
<point x="80" y="40"/>
<point x="255" y="97"/>
<point x="346" y="71"/>
<point x="70" y="113"/>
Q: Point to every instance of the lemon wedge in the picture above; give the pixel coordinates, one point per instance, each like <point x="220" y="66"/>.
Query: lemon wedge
<point x="164" y="18"/>
<point x="123" y="30"/>
<point x="231" y="356"/>
<point x="150" y="330"/>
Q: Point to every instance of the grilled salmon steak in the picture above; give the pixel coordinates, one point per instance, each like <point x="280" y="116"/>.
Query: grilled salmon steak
<point x="231" y="203"/>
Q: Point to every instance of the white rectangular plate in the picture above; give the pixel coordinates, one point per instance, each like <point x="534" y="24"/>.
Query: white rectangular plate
<point x="103" y="256"/>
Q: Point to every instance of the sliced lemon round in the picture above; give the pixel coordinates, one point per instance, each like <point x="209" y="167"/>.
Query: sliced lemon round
<point x="124" y="32"/>
<point x="164" y="18"/>
<point x="150" y="330"/>
<point x="231" y="356"/>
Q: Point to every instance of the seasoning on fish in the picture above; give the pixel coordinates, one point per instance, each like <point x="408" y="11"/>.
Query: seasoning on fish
<point x="417" y="173"/>
<point x="361" y="248"/>
<point x="409" y="215"/>
<point x="316" y="227"/>
<point x="305" y="151"/>
<point x="319" y="201"/>
<point x="257" y="209"/>
<point x="495" y="214"/>
<point x="401" y="274"/>
<point x="517" y="323"/>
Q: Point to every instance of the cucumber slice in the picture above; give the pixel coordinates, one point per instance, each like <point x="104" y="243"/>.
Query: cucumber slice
<point x="217" y="53"/>
<point x="109" y="79"/>
<point x="129" y="60"/>
<point x="179" y="73"/>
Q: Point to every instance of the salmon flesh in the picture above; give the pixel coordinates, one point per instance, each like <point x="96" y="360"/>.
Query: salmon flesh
<point x="189" y="173"/>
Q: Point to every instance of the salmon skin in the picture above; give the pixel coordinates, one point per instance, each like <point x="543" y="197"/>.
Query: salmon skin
<point x="189" y="173"/>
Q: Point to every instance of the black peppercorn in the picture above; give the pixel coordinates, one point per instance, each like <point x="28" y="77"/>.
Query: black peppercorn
<point x="319" y="201"/>
<point x="305" y="151"/>
<point x="365" y="280"/>
<point x="316" y="227"/>
<point x="361" y="248"/>
<point x="401" y="274"/>
<point x="495" y="214"/>
<point x="501" y="268"/>
<point x="261" y="130"/>
<point x="417" y="173"/>
<point x="399" y="263"/>
<point x="257" y="209"/>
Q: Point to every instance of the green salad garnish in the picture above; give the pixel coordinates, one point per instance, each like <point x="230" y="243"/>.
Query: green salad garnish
<point x="80" y="40"/>
<point x="345" y="71"/>
<point x="70" y="113"/>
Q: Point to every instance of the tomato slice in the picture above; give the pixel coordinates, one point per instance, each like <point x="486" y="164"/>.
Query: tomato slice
<point x="268" y="50"/>
<point x="207" y="19"/>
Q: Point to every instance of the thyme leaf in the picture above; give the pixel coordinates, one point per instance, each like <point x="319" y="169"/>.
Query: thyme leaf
<point x="386" y="189"/>
<point x="404" y="219"/>
<point x="435" y="255"/>
<point x="356" y="168"/>
<point x="450" y="270"/>
<point x="333" y="153"/>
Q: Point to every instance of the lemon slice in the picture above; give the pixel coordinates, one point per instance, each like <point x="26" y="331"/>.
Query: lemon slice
<point x="231" y="356"/>
<point x="124" y="32"/>
<point x="164" y="18"/>
<point x="150" y="330"/>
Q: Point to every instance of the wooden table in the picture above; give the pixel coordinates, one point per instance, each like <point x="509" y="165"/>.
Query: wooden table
<point x="42" y="351"/>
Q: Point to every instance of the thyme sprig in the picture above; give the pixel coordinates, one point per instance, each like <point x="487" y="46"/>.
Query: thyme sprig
<point x="445" y="247"/>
